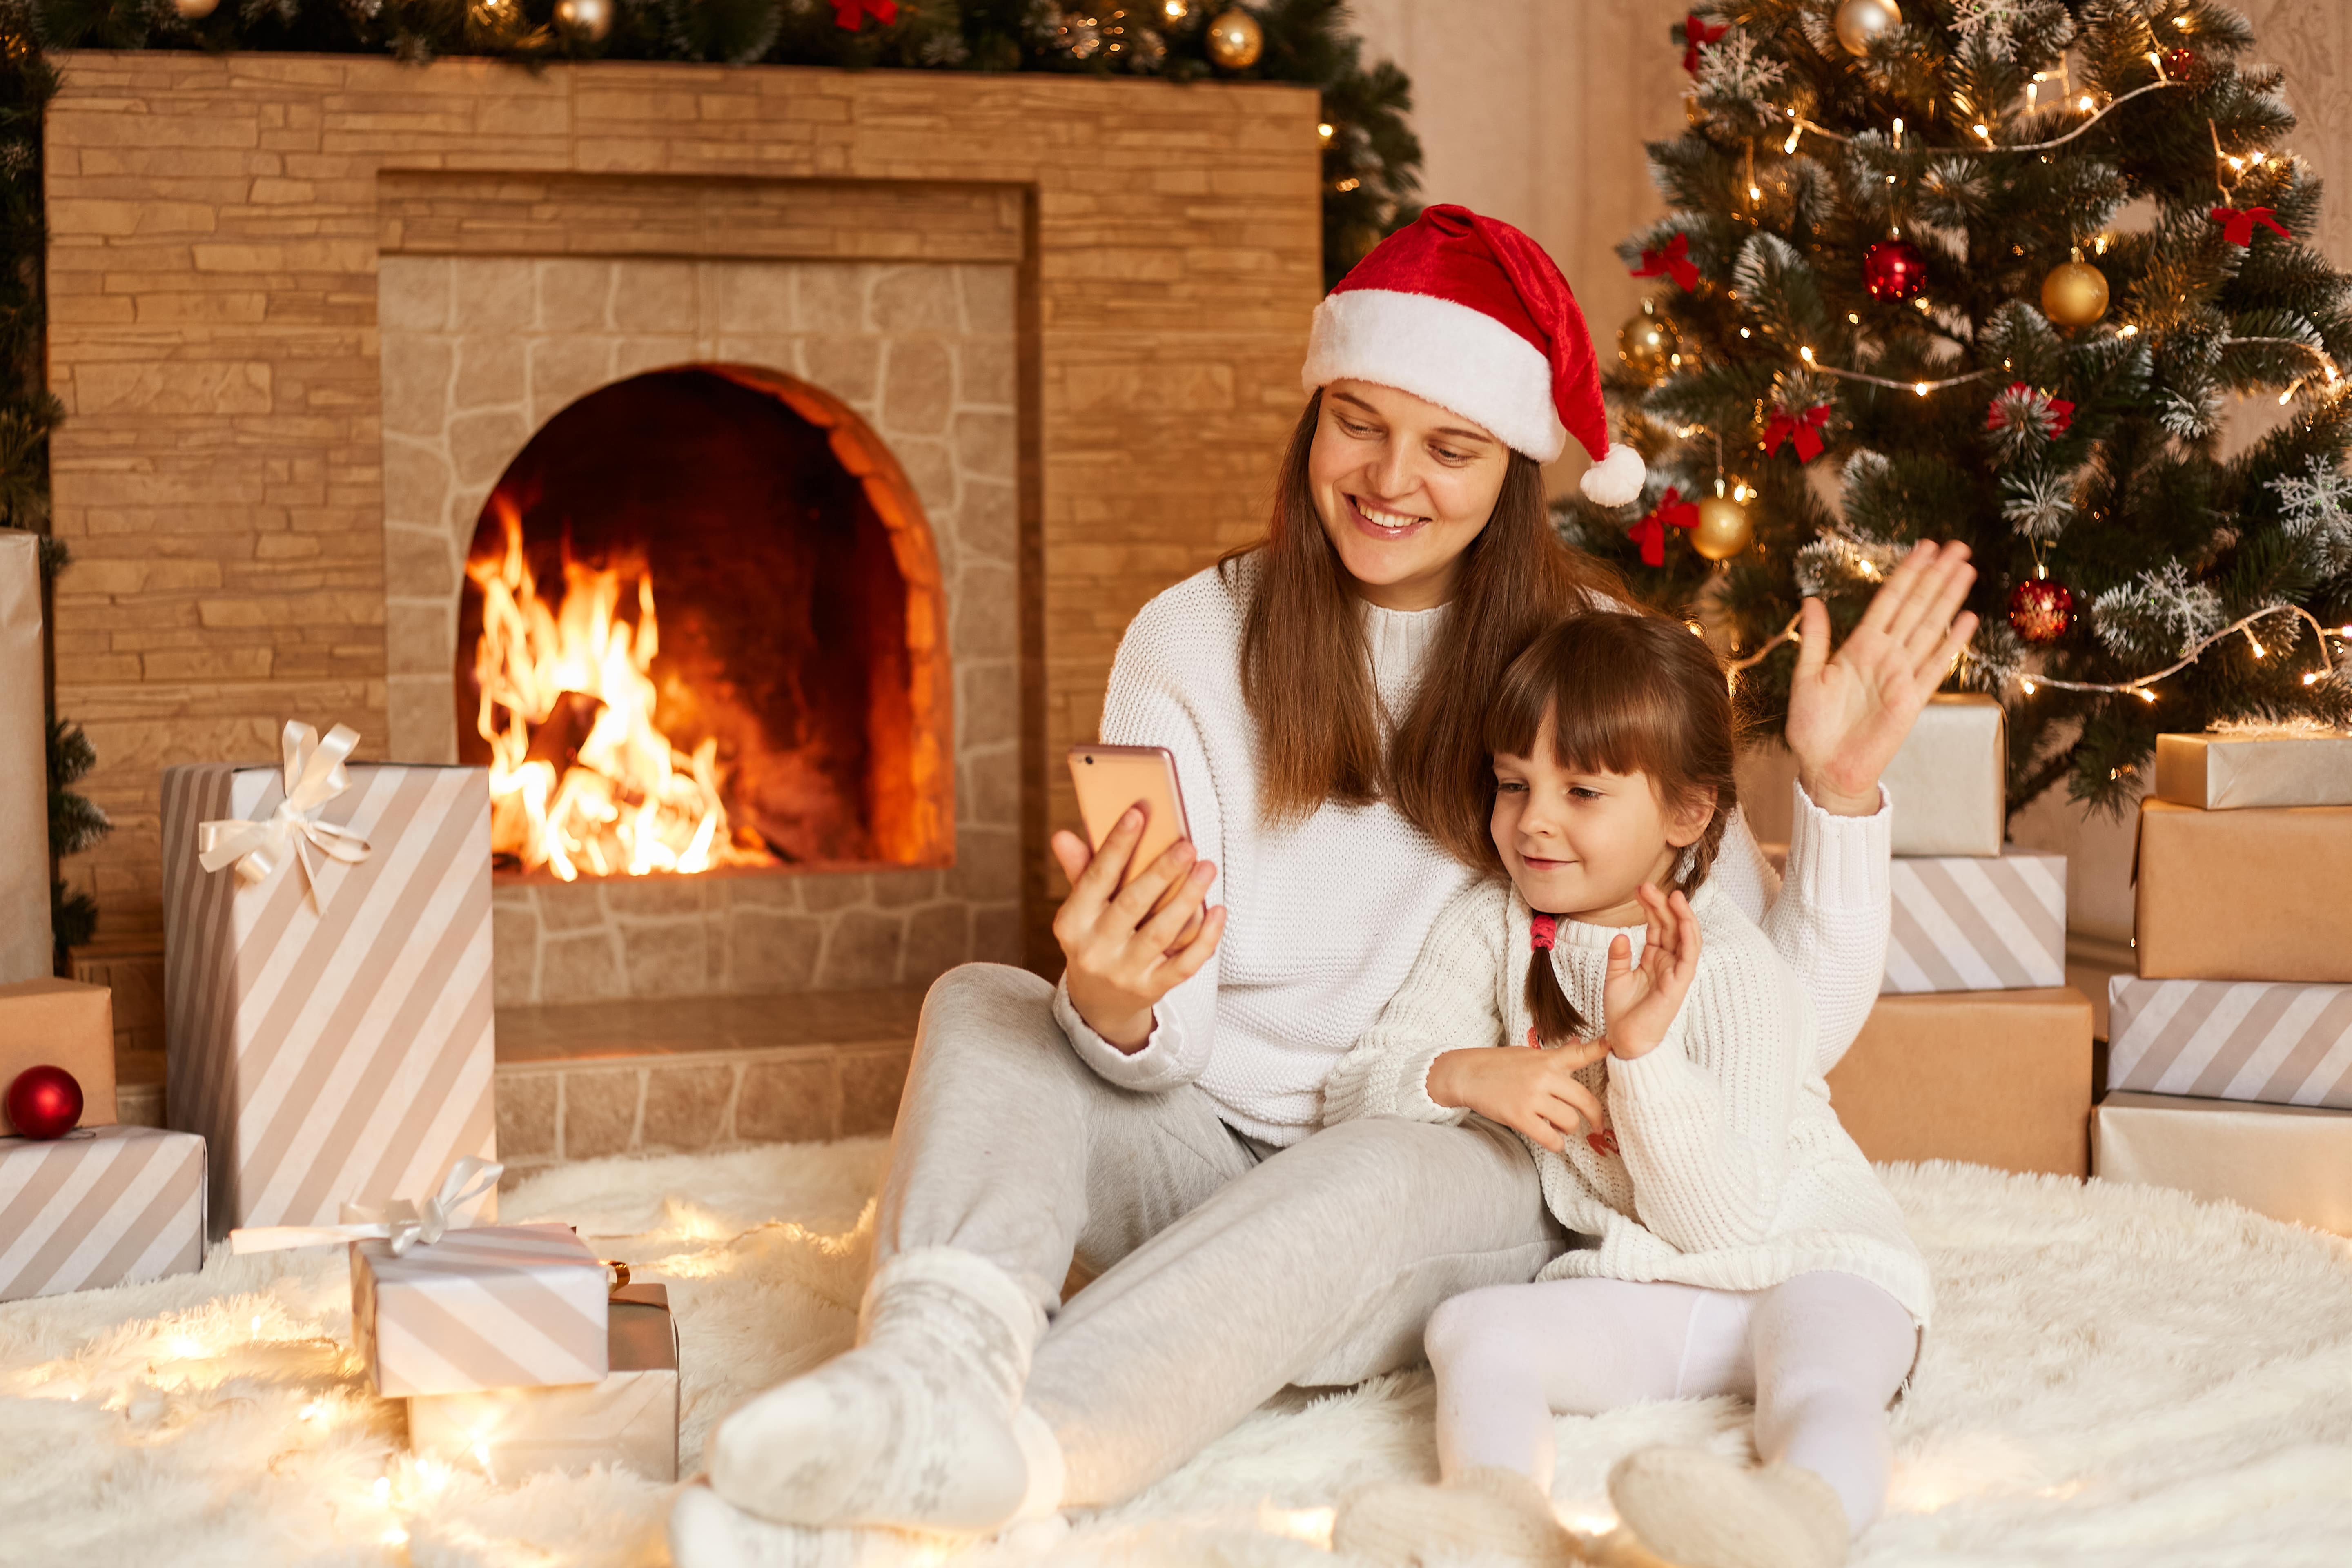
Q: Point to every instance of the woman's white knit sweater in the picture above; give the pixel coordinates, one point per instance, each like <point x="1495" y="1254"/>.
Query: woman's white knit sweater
<point x="1327" y="914"/>
<point x="1732" y="1170"/>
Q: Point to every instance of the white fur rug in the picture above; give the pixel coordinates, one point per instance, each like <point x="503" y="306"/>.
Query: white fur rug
<point x="2117" y="1376"/>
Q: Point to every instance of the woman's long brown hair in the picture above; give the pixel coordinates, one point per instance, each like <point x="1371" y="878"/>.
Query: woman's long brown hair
<point x="1625" y="694"/>
<point x="1307" y="670"/>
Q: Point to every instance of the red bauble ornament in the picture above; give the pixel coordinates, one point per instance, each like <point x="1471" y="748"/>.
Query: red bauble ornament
<point x="1894" y="269"/>
<point x="2041" y="610"/>
<point x="44" y="1102"/>
<point x="2180" y="64"/>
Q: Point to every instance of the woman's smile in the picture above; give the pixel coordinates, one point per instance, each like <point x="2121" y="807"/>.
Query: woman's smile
<point x="1383" y="522"/>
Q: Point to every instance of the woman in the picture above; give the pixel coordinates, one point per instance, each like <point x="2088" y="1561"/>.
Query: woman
<point x="1156" y="1114"/>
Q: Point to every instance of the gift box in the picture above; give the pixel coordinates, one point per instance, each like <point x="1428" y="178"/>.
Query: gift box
<point x="327" y="988"/>
<point x="2231" y="771"/>
<point x="61" y="1024"/>
<point x="627" y="1417"/>
<point x="1947" y="785"/>
<point x="101" y="1206"/>
<point x="2290" y="1161"/>
<point x="2223" y="1039"/>
<point x="1975" y="924"/>
<point x="1992" y="1077"/>
<point x="501" y="1306"/>
<point x="24" y="950"/>
<point x="2245" y="895"/>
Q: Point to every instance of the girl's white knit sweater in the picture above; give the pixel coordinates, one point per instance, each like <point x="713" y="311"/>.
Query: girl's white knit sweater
<point x="1327" y="914"/>
<point x="1732" y="1170"/>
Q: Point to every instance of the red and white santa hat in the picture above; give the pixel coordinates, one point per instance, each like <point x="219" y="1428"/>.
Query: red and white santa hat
<point x="1471" y="314"/>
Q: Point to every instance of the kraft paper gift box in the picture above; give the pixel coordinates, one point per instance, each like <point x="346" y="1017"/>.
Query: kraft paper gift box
<point x="1977" y="923"/>
<point x="2290" y="1161"/>
<point x="629" y="1417"/>
<point x="101" y="1206"/>
<point x="328" y="1024"/>
<point x="2232" y="770"/>
<point x="1948" y="784"/>
<point x="2245" y="895"/>
<point x="24" y="951"/>
<point x="1992" y="1077"/>
<point x="501" y="1306"/>
<point x="2224" y="1039"/>
<point x="63" y="1024"/>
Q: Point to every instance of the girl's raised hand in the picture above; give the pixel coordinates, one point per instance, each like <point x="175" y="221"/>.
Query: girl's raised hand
<point x="1641" y="1000"/>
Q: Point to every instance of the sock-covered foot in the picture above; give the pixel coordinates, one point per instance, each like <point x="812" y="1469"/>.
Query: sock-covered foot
<point x="1487" y="1515"/>
<point x="1698" y="1510"/>
<point x="919" y="1427"/>
<point x="708" y="1532"/>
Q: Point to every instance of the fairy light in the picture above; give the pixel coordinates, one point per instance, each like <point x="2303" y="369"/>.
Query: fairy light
<point x="2084" y="104"/>
<point x="2088" y="103"/>
<point x="1326" y="130"/>
<point x="1920" y="387"/>
<point x="1806" y="353"/>
<point x="1790" y="144"/>
<point x="1744" y="332"/>
<point x="1853" y="317"/>
<point x="1984" y="131"/>
<point x="2127" y="331"/>
<point x="2140" y="686"/>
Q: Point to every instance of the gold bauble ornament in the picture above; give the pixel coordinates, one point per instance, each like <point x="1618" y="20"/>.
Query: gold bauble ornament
<point x="2074" y="294"/>
<point x="1723" y="530"/>
<point x="1860" y="21"/>
<point x="195" y="10"/>
<point x="1649" y="343"/>
<point x="1236" y="40"/>
<point x="588" y="19"/>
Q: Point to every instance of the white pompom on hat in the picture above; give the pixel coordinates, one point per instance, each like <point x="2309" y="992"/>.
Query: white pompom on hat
<point x="1469" y="313"/>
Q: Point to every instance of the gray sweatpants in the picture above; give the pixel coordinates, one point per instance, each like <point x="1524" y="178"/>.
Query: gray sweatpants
<point x="1223" y="1276"/>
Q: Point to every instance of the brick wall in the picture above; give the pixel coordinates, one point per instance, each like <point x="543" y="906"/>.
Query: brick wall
<point x="215" y="225"/>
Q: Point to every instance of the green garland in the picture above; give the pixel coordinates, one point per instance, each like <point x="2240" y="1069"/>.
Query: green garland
<point x="1370" y="159"/>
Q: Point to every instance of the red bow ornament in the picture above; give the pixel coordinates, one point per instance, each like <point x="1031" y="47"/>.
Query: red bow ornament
<point x="1697" y="35"/>
<point x="2238" y="225"/>
<point x="2019" y="404"/>
<point x="1804" y="428"/>
<point x="1673" y="512"/>
<point x="1605" y="1142"/>
<point x="1673" y="261"/>
<point x="850" y="15"/>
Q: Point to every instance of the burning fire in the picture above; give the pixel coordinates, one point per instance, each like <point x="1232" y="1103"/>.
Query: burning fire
<point x="581" y="777"/>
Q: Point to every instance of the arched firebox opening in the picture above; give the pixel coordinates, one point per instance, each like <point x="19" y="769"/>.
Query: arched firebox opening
<point x="702" y="627"/>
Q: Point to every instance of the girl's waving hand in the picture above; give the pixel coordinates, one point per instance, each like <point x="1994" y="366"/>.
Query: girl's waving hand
<point x="1641" y="1000"/>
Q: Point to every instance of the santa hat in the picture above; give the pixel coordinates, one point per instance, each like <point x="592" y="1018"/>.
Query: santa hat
<point x="1472" y="315"/>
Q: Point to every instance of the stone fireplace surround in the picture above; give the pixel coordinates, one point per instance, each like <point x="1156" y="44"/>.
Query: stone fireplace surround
<point x="234" y="240"/>
<point x="480" y="352"/>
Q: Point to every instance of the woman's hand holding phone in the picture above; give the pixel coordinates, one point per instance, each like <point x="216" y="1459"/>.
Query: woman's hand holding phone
<point x="1123" y="957"/>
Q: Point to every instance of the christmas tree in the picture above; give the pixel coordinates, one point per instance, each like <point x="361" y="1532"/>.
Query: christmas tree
<point x="1990" y="270"/>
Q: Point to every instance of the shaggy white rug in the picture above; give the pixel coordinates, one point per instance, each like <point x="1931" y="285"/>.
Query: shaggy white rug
<point x="2117" y="1376"/>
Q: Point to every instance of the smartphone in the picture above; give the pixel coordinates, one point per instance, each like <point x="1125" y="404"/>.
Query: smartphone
<point x="1109" y="779"/>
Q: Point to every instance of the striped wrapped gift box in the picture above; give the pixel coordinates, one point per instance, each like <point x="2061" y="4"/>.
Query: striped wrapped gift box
<point x="499" y="1306"/>
<point x="2271" y="1042"/>
<point x="1969" y="924"/>
<point x="630" y="1419"/>
<point x="103" y="1205"/>
<point x="335" y="1050"/>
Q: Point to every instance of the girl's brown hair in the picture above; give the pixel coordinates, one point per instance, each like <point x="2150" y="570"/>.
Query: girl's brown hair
<point x="1307" y="670"/>
<point x="1625" y="694"/>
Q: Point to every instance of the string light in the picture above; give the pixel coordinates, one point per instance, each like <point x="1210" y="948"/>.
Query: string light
<point x="2139" y="687"/>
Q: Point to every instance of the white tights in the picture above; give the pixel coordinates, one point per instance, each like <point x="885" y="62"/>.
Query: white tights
<point x="1821" y="1355"/>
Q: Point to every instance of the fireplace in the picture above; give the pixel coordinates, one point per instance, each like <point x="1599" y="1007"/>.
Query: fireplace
<point x="702" y="629"/>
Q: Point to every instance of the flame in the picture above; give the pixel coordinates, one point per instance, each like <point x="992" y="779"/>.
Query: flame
<point x="629" y="802"/>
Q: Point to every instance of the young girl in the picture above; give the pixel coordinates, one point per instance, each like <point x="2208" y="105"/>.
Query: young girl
<point x="1737" y="1240"/>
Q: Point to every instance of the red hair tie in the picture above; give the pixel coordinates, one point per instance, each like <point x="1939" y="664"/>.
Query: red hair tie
<point x="1540" y="934"/>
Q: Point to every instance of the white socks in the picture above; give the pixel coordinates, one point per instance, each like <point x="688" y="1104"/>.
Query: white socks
<point x="1702" y="1511"/>
<point x="919" y="1427"/>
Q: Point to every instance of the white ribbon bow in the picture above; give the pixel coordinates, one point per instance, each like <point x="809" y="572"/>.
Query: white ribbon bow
<point x="400" y="1222"/>
<point x="314" y="776"/>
